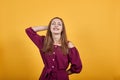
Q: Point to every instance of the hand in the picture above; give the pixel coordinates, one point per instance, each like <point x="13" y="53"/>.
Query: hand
<point x="69" y="72"/>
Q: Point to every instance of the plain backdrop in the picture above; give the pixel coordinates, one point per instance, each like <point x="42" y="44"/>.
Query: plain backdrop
<point x="92" y="25"/>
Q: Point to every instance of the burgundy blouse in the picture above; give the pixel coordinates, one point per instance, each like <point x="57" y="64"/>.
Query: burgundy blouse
<point x="56" y="64"/>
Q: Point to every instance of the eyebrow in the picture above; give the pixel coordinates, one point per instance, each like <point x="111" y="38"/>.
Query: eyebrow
<point x="57" y="22"/>
<point x="53" y="22"/>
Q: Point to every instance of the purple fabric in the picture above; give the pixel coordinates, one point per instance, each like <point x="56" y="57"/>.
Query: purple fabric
<point x="56" y="63"/>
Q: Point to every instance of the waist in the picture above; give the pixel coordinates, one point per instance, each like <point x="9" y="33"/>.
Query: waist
<point x="52" y="73"/>
<point x="54" y="69"/>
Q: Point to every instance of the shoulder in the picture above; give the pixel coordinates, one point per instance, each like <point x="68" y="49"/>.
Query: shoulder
<point x="70" y="44"/>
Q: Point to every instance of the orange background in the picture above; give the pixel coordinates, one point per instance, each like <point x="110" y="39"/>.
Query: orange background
<point x="92" y="25"/>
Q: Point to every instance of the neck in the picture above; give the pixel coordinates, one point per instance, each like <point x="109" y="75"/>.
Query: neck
<point x="56" y="38"/>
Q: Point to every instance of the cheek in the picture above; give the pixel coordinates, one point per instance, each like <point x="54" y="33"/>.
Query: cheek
<point x="61" y="28"/>
<point x="51" y="27"/>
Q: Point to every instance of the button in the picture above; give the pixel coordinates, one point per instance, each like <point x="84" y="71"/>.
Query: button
<point x="52" y="66"/>
<point x="53" y="59"/>
<point x="53" y="52"/>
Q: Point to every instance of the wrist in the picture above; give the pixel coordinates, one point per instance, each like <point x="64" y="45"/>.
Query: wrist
<point x="39" y="28"/>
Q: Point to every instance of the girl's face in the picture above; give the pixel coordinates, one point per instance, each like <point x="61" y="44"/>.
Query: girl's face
<point x="56" y="26"/>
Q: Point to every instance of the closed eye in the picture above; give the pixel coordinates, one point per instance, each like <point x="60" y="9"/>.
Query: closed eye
<point x="59" y="24"/>
<point x="53" y="23"/>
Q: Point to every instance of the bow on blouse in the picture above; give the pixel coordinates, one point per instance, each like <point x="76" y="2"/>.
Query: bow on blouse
<point x="50" y="74"/>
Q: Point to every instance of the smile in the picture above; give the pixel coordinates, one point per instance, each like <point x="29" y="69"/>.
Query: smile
<point x="55" y="28"/>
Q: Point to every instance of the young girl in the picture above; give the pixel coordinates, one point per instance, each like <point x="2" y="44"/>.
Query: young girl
<point x="56" y="51"/>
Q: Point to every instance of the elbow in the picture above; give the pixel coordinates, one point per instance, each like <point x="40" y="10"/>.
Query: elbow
<point x="27" y="30"/>
<point x="77" y="69"/>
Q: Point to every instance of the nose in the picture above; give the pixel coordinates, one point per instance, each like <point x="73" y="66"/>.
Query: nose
<point x="56" y="26"/>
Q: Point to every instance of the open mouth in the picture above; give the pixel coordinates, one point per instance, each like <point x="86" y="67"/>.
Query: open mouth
<point x="55" y="28"/>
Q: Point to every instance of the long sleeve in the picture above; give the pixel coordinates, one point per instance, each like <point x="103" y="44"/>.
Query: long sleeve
<point x="74" y="58"/>
<point x="37" y="39"/>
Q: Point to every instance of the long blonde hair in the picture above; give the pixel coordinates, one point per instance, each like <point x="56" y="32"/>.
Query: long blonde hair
<point x="48" y="41"/>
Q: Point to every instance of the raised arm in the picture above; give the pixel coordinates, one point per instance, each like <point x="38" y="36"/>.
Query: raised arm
<point x="36" y="38"/>
<point x="39" y="28"/>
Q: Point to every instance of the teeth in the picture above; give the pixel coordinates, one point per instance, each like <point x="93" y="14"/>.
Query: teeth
<point x="55" y="29"/>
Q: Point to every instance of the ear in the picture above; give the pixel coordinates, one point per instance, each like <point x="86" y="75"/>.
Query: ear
<point x="70" y="45"/>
